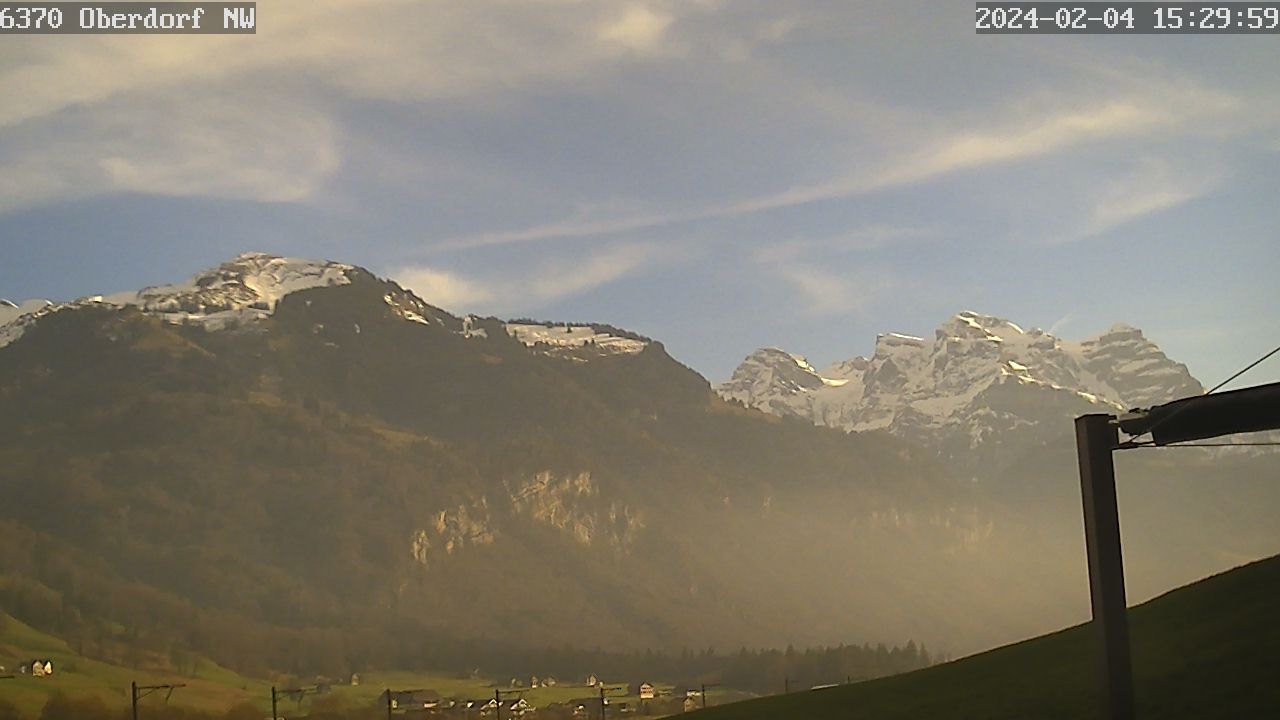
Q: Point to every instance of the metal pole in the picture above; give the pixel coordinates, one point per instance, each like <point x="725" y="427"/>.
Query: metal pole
<point x="704" y="696"/>
<point x="274" y="714"/>
<point x="601" y="701"/>
<point x="497" y="702"/>
<point x="134" y="687"/>
<point x="1096" y="437"/>
<point x="388" y="703"/>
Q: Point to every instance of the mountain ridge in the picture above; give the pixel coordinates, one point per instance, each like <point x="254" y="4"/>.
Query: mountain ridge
<point x="978" y="377"/>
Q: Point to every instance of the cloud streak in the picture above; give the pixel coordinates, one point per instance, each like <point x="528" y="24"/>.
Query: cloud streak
<point x="1038" y="136"/>
<point x="534" y="287"/>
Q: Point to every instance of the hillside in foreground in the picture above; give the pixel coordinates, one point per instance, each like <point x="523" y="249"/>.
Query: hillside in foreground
<point x="1208" y="650"/>
<point x="207" y="686"/>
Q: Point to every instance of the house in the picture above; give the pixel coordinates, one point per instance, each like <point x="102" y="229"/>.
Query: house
<point x="692" y="703"/>
<point x="411" y="699"/>
<point x="37" y="668"/>
<point x="515" y="708"/>
<point x="587" y="707"/>
<point x="355" y="679"/>
<point x="592" y="681"/>
<point x="646" y="691"/>
<point x="548" y="682"/>
<point x="472" y="708"/>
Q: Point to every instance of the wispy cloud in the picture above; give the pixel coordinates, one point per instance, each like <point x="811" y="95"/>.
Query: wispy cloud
<point x="870" y="237"/>
<point x="529" y="288"/>
<point x="190" y="104"/>
<point x="1060" y="323"/>
<point x="256" y="149"/>
<point x="639" y="28"/>
<point x="1153" y="186"/>
<point x="568" y="277"/>
<point x="443" y="288"/>
<point x="1030" y="135"/>
<point x="826" y="292"/>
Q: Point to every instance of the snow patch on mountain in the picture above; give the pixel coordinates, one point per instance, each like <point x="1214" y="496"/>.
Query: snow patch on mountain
<point x="978" y="376"/>
<point x="15" y="319"/>
<point x="564" y="339"/>
<point x="248" y="287"/>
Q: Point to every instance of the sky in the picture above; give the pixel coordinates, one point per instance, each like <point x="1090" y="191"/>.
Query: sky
<point x="720" y="175"/>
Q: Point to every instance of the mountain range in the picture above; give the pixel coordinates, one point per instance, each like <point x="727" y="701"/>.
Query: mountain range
<point x="298" y="465"/>
<point x="979" y="388"/>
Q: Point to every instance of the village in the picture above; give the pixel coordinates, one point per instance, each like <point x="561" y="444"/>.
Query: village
<point x="598" y="700"/>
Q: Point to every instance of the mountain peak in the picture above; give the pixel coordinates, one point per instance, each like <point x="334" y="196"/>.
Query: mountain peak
<point x="973" y="324"/>
<point x="248" y="286"/>
<point x="14" y="318"/>
<point x="979" y="376"/>
<point x="1120" y="331"/>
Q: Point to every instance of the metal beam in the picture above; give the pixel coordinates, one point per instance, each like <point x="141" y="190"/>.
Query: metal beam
<point x="1208" y="416"/>
<point x="1096" y="438"/>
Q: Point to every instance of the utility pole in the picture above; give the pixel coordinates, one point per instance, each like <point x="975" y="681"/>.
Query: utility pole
<point x="1096" y="437"/>
<point x="390" y="703"/>
<point x="300" y="693"/>
<point x="604" y="698"/>
<point x="704" y="692"/>
<point x="137" y="692"/>
<point x="786" y="685"/>
<point x="497" y="697"/>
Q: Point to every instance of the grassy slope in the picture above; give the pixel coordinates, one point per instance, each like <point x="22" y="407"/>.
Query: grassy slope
<point x="1208" y="650"/>
<point x="213" y="688"/>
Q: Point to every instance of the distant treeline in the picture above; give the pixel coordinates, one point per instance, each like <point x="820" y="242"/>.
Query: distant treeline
<point x="759" y="671"/>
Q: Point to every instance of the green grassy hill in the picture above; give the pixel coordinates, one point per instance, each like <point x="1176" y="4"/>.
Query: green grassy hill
<point x="1208" y="650"/>
<point x="211" y="687"/>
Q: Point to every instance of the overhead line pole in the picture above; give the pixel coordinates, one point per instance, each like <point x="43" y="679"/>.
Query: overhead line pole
<point x="704" y="693"/>
<point x="1096" y="437"/>
<point x="137" y="692"/>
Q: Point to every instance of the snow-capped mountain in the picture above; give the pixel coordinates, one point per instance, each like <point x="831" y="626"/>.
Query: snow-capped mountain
<point x="250" y="286"/>
<point x="978" y="377"/>
<point x="244" y="289"/>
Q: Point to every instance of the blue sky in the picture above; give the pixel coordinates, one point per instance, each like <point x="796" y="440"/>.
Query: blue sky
<point x="721" y="175"/>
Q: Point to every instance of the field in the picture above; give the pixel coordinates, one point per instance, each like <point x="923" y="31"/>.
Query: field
<point x="1208" y="650"/>
<point x="212" y="687"/>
